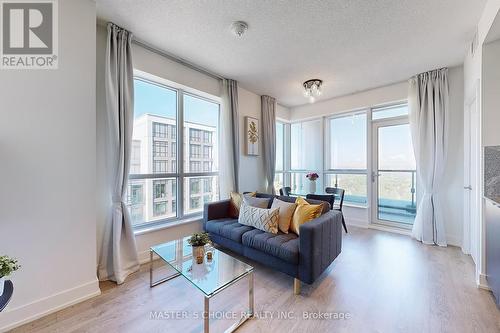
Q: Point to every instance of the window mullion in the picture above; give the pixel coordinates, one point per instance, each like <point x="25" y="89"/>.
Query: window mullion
<point x="180" y="153"/>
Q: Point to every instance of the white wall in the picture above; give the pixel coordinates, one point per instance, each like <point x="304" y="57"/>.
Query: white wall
<point x="282" y="112"/>
<point x="473" y="76"/>
<point x="251" y="177"/>
<point x="490" y="95"/>
<point x="453" y="190"/>
<point x="47" y="197"/>
<point x="391" y="93"/>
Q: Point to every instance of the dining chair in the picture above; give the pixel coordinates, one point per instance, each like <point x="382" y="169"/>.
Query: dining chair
<point x="323" y="197"/>
<point x="285" y="191"/>
<point x="339" y="201"/>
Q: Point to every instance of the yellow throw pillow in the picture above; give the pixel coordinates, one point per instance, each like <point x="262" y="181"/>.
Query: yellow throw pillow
<point x="304" y="212"/>
<point x="235" y="204"/>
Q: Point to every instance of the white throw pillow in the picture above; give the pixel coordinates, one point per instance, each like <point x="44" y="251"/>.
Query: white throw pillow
<point x="286" y="213"/>
<point x="260" y="218"/>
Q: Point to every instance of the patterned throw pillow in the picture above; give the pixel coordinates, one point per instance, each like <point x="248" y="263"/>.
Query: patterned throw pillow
<point x="260" y="218"/>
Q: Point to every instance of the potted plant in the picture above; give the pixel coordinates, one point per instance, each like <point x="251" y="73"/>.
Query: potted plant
<point x="7" y="266"/>
<point x="312" y="181"/>
<point x="198" y="242"/>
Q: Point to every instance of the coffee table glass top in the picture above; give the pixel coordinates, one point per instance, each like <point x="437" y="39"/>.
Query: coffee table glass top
<point x="210" y="276"/>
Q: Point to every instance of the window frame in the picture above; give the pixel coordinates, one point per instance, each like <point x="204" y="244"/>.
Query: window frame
<point x="325" y="142"/>
<point x="180" y="175"/>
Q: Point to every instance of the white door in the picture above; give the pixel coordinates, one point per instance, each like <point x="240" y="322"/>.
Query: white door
<point x="471" y="180"/>
<point x="394" y="173"/>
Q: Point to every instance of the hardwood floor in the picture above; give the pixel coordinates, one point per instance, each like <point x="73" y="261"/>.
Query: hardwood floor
<point x="381" y="282"/>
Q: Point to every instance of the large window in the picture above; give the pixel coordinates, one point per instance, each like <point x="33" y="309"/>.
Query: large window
<point x="347" y="156"/>
<point x="306" y="153"/>
<point x="158" y="166"/>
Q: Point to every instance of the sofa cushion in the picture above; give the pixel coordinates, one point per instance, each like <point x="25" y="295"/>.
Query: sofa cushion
<point x="283" y="246"/>
<point x="228" y="228"/>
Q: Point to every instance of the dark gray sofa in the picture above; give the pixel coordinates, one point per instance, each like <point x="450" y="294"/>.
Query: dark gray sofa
<point x="303" y="258"/>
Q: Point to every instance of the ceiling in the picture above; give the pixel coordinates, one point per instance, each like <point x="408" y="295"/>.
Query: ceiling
<point x="352" y="45"/>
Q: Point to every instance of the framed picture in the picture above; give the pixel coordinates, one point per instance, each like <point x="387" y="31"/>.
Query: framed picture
<point x="252" y="134"/>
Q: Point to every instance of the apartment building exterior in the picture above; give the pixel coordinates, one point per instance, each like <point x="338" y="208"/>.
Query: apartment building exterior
<point x="154" y="151"/>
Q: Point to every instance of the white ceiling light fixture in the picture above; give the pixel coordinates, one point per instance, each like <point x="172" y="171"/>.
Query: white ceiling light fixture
<point x="239" y="28"/>
<point x="312" y="89"/>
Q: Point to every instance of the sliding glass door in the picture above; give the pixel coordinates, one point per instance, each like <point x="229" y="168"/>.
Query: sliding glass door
<point x="393" y="173"/>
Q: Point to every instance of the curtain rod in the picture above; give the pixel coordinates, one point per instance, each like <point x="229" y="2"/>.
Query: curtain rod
<point x="176" y="59"/>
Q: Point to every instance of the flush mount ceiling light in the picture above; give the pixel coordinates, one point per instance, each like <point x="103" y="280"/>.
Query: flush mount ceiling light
<point x="239" y="28"/>
<point x="312" y="89"/>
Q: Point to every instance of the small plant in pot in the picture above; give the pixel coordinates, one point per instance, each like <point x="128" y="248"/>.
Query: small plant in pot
<point x="198" y="242"/>
<point x="7" y="266"/>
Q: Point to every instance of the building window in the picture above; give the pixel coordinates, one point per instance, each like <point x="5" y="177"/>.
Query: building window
<point x="207" y="152"/>
<point x="207" y="185"/>
<point x="195" y="203"/>
<point x="173" y="150"/>
<point x="152" y="192"/>
<point x="173" y="132"/>
<point x="160" y="149"/>
<point x="160" y="189"/>
<point x="160" y="166"/>
<point x="159" y="130"/>
<point x="159" y="208"/>
<point x="207" y="137"/>
<point x="194" y="135"/>
<point x="194" y="187"/>
<point x="195" y="151"/>
<point x="195" y="166"/>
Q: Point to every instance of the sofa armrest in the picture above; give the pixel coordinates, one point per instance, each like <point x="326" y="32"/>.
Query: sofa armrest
<point x="215" y="210"/>
<point x="320" y="242"/>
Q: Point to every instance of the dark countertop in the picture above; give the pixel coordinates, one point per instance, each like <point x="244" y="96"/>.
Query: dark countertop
<point x="492" y="173"/>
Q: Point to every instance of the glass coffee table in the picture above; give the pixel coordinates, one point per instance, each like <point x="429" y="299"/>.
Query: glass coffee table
<point x="211" y="277"/>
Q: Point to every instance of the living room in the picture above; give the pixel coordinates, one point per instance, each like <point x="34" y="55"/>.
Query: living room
<point x="250" y="166"/>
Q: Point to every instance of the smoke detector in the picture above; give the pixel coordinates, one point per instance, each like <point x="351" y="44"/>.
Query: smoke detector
<point x="239" y="28"/>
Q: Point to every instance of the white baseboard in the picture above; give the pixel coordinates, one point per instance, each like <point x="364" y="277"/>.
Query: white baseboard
<point x="454" y="240"/>
<point x="482" y="283"/>
<point x="143" y="257"/>
<point x="23" y="314"/>
<point x="395" y="230"/>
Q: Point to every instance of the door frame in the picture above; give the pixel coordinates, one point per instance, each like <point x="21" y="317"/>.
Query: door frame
<point x="373" y="176"/>
<point x="472" y="230"/>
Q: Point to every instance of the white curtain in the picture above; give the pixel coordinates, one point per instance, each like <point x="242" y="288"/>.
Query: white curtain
<point x="268" y="109"/>
<point x="229" y="139"/>
<point x="118" y="252"/>
<point x="429" y="117"/>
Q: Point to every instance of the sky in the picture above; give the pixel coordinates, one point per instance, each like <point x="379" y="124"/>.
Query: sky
<point x="150" y="98"/>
